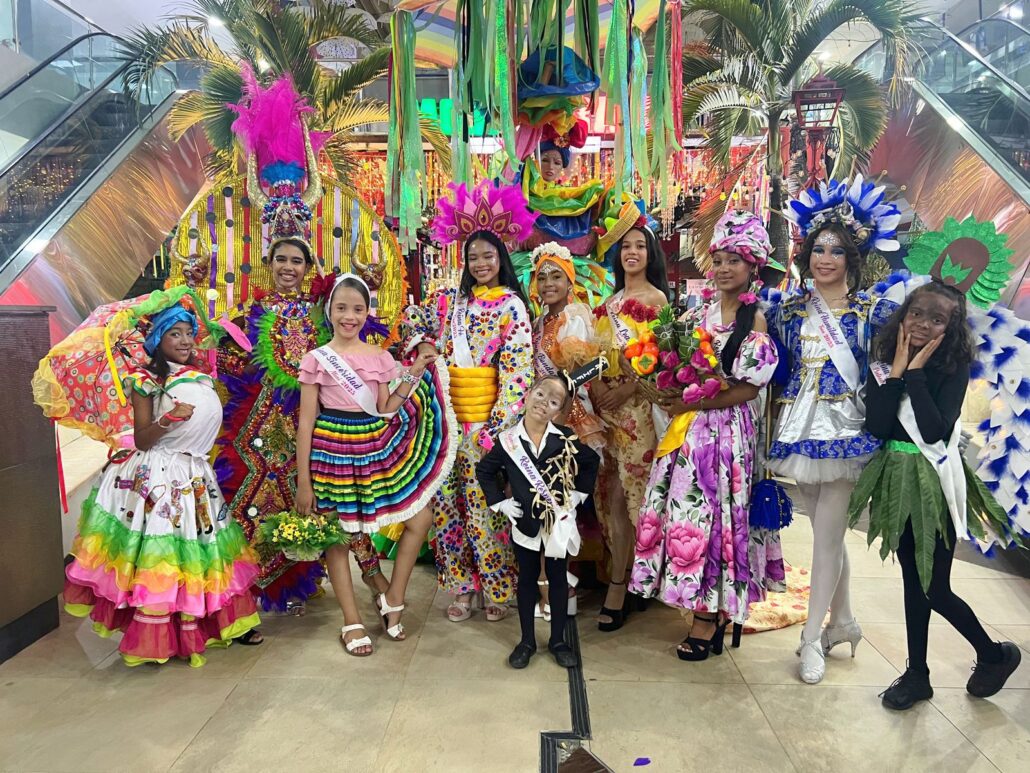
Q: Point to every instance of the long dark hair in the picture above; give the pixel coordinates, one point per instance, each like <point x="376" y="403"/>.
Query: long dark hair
<point x="506" y="277"/>
<point x="851" y="254"/>
<point x="655" y="271"/>
<point x="956" y="350"/>
<point x="159" y="366"/>
<point x="743" y="324"/>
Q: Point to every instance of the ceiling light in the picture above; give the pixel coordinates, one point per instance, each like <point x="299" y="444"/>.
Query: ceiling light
<point x="824" y="55"/>
<point x="1015" y="13"/>
<point x="214" y="21"/>
<point x="37" y="245"/>
<point x="954" y="122"/>
<point x="263" y="65"/>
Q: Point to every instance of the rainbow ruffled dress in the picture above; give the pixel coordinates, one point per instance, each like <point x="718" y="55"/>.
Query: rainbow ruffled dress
<point x="156" y="556"/>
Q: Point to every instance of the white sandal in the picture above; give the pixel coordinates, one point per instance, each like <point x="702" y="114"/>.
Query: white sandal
<point x="464" y="610"/>
<point x="542" y="610"/>
<point x="354" y="644"/>
<point x="395" y="632"/>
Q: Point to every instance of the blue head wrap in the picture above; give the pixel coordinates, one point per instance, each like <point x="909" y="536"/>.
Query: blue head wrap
<point x="162" y="322"/>
<point x="566" y="153"/>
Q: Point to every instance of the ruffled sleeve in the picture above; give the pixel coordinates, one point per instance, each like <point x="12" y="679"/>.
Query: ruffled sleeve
<point x="381" y="368"/>
<point x="756" y="361"/>
<point x="141" y="382"/>
<point x="576" y="342"/>
<point x="309" y="369"/>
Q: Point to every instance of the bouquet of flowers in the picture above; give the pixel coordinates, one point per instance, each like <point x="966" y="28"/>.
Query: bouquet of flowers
<point x="301" y="537"/>
<point x="676" y="356"/>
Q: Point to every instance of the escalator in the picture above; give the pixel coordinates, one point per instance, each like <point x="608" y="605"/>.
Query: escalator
<point x="90" y="182"/>
<point x="959" y="144"/>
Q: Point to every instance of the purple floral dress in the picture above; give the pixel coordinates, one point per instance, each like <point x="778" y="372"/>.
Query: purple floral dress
<point x="692" y="545"/>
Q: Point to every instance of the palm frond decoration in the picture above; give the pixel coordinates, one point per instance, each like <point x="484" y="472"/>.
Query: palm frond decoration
<point x="758" y="51"/>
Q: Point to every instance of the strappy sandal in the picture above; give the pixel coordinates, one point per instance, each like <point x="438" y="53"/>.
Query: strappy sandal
<point x="701" y="648"/>
<point x="248" y="638"/>
<point x="495" y="612"/>
<point x="459" y="611"/>
<point x="296" y="608"/>
<point x="395" y="632"/>
<point x="618" y="616"/>
<point x="354" y="644"/>
<point x="542" y="610"/>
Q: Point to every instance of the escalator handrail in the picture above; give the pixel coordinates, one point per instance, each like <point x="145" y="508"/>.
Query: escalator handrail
<point x="1020" y="91"/>
<point x="997" y="20"/>
<point x="50" y="60"/>
<point x="71" y="110"/>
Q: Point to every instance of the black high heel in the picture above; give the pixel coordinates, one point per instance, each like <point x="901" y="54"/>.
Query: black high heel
<point x="738" y="629"/>
<point x="618" y="616"/>
<point x="701" y="648"/>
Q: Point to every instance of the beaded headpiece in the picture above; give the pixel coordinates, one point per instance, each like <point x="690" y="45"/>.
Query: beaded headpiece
<point x="858" y="206"/>
<point x="500" y="209"/>
<point x="281" y="154"/>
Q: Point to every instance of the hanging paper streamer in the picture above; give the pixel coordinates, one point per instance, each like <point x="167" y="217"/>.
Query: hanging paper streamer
<point x="616" y="87"/>
<point x="504" y="71"/>
<point x="586" y="36"/>
<point x="405" y="167"/>
<point x="637" y="102"/>
<point x="663" y="124"/>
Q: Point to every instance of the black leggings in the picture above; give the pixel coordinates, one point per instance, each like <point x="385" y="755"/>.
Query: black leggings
<point x="939" y="598"/>
<point x="558" y="593"/>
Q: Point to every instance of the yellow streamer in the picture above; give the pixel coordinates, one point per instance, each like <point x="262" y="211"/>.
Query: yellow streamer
<point x="674" y="436"/>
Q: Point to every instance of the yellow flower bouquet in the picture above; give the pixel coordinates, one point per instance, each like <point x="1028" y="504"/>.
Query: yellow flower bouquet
<point x="301" y="537"/>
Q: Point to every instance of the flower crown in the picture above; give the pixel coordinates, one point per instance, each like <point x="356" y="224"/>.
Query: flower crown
<point x="551" y="249"/>
<point x="858" y="206"/>
<point x="500" y="209"/>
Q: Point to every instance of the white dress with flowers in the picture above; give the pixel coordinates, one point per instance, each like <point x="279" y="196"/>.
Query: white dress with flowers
<point x="692" y="544"/>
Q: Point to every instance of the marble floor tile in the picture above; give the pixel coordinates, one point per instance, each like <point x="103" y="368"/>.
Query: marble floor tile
<point x="131" y="720"/>
<point x="1002" y="601"/>
<point x="682" y="727"/>
<point x="998" y="726"/>
<point x="481" y="725"/>
<point x="768" y="658"/>
<point x="839" y="728"/>
<point x="295" y="724"/>
<point x="949" y="655"/>
<point x="1020" y="634"/>
<point x="21" y="697"/>
<point x="877" y="600"/>
<point x="70" y="650"/>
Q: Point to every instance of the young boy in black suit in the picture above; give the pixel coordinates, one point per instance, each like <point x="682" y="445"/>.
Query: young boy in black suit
<point x="549" y="472"/>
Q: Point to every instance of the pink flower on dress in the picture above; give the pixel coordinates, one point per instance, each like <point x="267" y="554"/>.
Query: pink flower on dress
<point x="649" y="534"/>
<point x="736" y="478"/>
<point x="685" y="548"/>
<point x="680" y="594"/>
<point x="641" y="576"/>
<point x="765" y="353"/>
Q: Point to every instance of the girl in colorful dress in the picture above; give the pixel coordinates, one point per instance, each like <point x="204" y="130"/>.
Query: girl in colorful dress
<point x="483" y="331"/>
<point x="257" y="458"/>
<point x="156" y="556"/>
<point x="640" y="292"/>
<point x="370" y="456"/>
<point x="563" y="339"/>
<point x="257" y="454"/>
<point x="693" y="537"/>
<point x="550" y="471"/>
<point x="924" y="497"/>
<point x="826" y="330"/>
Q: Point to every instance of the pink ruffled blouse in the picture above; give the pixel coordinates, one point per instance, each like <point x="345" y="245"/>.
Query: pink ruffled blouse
<point x="374" y="369"/>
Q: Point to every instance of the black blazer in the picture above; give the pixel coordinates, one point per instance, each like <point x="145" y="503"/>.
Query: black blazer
<point x="497" y="469"/>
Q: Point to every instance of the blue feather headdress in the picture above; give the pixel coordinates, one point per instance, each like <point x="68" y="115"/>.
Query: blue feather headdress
<point x="859" y="206"/>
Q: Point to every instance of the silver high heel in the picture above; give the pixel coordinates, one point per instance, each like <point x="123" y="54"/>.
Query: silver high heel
<point x="838" y="634"/>
<point x="813" y="662"/>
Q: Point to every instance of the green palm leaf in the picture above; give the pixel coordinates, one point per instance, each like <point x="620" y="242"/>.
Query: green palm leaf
<point x="341" y="86"/>
<point x="863" y="116"/>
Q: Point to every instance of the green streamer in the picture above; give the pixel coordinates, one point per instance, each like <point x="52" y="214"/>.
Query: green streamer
<point x="503" y="70"/>
<point x="637" y="101"/>
<point x="615" y="81"/>
<point x="587" y="33"/>
<point x="405" y="164"/>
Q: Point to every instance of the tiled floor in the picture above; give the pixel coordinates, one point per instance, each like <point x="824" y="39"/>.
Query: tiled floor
<point x="446" y="700"/>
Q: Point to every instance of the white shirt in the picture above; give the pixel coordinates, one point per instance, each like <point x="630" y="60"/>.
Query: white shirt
<point x="564" y="539"/>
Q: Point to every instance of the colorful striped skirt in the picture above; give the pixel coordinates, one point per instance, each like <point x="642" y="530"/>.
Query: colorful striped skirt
<point x="373" y="471"/>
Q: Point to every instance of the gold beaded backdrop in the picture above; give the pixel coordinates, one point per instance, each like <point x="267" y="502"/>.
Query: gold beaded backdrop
<point x="346" y="235"/>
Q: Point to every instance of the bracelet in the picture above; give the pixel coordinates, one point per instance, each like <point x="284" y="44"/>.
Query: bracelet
<point x="408" y="378"/>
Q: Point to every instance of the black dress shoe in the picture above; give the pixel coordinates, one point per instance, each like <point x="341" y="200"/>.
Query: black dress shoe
<point x="519" y="657"/>
<point x="563" y="655"/>
<point x="908" y="689"/>
<point x="989" y="678"/>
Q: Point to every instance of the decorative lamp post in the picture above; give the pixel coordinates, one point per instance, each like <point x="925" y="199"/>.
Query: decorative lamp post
<point x="816" y="104"/>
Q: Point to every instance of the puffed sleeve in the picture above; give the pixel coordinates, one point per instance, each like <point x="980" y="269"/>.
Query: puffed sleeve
<point x="141" y="382"/>
<point x="514" y="370"/>
<point x="309" y="369"/>
<point x="424" y="323"/>
<point x="576" y="341"/>
<point x="757" y="360"/>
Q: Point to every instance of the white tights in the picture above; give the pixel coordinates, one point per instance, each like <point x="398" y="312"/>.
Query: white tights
<point x="827" y="506"/>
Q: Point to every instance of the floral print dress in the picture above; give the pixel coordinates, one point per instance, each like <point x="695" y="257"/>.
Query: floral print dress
<point x="693" y="540"/>
<point x="473" y="543"/>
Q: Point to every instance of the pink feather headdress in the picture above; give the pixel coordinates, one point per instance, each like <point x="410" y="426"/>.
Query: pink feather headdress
<point x="280" y="151"/>
<point x="500" y="209"/>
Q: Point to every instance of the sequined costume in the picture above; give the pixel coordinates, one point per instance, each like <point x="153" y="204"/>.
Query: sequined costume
<point x="820" y="436"/>
<point x="473" y="544"/>
<point x="256" y="461"/>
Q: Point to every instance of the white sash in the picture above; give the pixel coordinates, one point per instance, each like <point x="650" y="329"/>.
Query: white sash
<point x="544" y="363"/>
<point x="945" y="459"/>
<point x="710" y="324"/>
<point x="834" y="340"/>
<point x="459" y="333"/>
<point x="622" y="331"/>
<point x="564" y="536"/>
<point x="351" y="383"/>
